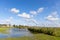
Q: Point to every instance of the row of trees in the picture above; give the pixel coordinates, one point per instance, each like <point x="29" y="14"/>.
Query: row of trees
<point x="19" y="26"/>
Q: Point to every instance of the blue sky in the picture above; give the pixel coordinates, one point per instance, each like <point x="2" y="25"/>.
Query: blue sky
<point x="30" y="12"/>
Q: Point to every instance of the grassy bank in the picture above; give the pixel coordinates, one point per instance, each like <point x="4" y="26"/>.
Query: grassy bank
<point x="34" y="37"/>
<point x="45" y="30"/>
<point x="39" y="33"/>
<point x="2" y="30"/>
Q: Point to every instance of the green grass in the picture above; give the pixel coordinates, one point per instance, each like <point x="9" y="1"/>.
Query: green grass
<point x="3" y="29"/>
<point x="37" y="36"/>
<point x="45" y="37"/>
<point x="45" y="30"/>
<point x="34" y="37"/>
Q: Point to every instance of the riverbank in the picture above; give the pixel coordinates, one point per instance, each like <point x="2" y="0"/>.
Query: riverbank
<point x="34" y="37"/>
<point x="38" y="34"/>
<point x="52" y="31"/>
<point x="2" y="30"/>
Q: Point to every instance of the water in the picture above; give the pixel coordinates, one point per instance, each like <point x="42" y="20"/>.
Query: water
<point x="15" y="32"/>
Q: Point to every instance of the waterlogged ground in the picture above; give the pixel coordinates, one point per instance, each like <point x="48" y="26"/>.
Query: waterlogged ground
<point x="34" y="37"/>
<point x="13" y="32"/>
<point x="23" y="34"/>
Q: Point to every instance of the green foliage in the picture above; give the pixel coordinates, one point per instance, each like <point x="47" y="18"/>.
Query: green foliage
<point x="45" y="30"/>
<point x="19" y="26"/>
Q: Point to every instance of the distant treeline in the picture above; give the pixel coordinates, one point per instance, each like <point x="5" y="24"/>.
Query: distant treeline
<point x="15" y="26"/>
<point x="19" y="26"/>
<point x="53" y="31"/>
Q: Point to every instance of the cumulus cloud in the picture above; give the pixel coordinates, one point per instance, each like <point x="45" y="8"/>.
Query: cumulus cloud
<point x="24" y="15"/>
<point x="37" y="11"/>
<point x="32" y="20"/>
<point x="53" y="16"/>
<point x="33" y="12"/>
<point x="6" y="21"/>
<point x="40" y="10"/>
<point x="9" y="19"/>
<point x="29" y="18"/>
<point x="14" y="10"/>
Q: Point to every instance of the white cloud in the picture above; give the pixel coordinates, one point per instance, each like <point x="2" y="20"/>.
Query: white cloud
<point x="24" y="15"/>
<point x="6" y="21"/>
<point x="53" y="16"/>
<point x="9" y="19"/>
<point x="33" y="12"/>
<point x="14" y="10"/>
<point x="40" y="10"/>
<point x="32" y="20"/>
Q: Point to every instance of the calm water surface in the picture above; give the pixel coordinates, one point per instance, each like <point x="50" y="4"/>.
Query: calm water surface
<point x="15" y="32"/>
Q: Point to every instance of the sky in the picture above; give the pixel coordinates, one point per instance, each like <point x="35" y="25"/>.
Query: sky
<point x="30" y="12"/>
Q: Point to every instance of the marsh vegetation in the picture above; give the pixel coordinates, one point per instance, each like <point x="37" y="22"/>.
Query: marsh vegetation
<point x="36" y="33"/>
